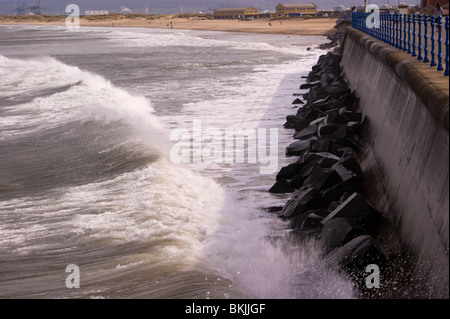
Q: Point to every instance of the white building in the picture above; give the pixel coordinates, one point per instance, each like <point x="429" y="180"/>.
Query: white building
<point x="339" y="8"/>
<point x="96" y="12"/>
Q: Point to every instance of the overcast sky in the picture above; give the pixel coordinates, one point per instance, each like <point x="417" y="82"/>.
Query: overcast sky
<point x="177" y="6"/>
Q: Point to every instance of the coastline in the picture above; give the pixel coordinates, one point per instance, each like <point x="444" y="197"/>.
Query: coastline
<point x="327" y="183"/>
<point x="301" y="26"/>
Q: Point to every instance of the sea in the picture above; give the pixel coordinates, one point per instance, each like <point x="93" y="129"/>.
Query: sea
<point x="116" y="179"/>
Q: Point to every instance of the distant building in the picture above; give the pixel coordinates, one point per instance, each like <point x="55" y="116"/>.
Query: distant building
<point x="96" y="12"/>
<point x="403" y="8"/>
<point x="428" y="5"/>
<point x="295" y="9"/>
<point x="236" y="13"/>
<point x="30" y="9"/>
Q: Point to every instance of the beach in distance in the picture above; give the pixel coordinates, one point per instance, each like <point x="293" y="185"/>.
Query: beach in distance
<point x="298" y="26"/>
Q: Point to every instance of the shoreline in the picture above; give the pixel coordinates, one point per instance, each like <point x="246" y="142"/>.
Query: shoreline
<point x="301" y="26"/>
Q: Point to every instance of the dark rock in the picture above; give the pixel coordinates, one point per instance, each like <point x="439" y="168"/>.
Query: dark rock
<point x="301" y="124"/>
<point x="324" y="145"/>
<point x="336" y="118"/>
<point x="302" y="200"/>
<point x="298" y="148"/>
<point x="322" y="178"/>
<point x="296" y="222"/>
<point x="289" y="171"/>
<point x="323" y="159"/>
<point x="333" y="205"/>
<point x="352" y="116"/>
<point x="355" y="126"/>
<point x="273" y="209"/>
<point x="317" y="121"/>
<point x="306" y="133"/>
<point x="327" y="91"/>
<point x="327" y="78"/>
<point x="349" y="186"/>
<point x="332" y="104"/>
<point x="357" y="254"/>
<point x="346" y="142"/>
<point x="291" y="120"/>
<point x="328" y="129"/>
<point x="311" y="224"/>
<point x="356" y="208"/>
<point x="309" y="85"/>
<point x="297" y="182"/>
<point x="343" y="172"/>
<point x="349" y="161"/>
<point x="319" y="102"/>
<point x="337" y="232"/>
<point x="344" y="132"/>
<point x="289" y="125"/>
<point x="308" y="169"/>
<point x="310" y="114"/>
<point x="298" y="101"/>
<point x="349" y="99"/>
<point x="301" y="221"/>
<point x="281" y="186"/>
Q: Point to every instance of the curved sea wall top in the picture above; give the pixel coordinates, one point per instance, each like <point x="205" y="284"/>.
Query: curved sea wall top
<point x="406" y="153"/>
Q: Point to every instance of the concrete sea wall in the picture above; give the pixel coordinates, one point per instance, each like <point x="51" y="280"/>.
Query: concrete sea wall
<point x="406" y="152"/>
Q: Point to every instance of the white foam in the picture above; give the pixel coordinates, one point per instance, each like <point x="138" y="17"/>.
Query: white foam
<point x="90" y="97"/>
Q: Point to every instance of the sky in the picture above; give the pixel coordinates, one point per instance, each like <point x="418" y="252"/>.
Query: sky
<point x="178" y="6"/>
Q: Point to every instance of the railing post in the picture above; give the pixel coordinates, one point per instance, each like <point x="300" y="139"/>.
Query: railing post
<point x="419" y="46"/>
<point x="396" y="31"/>
<point x="409" y="34"/>
<point x="446" y="46"/>
<point x="404" y="33"/>
<point x="378" y="30"/>
<point x="414" y="36"/>
<point x="425" y="36"/>
<point x="433" y="39"/>
<point x="391" y="28"/>
<point x="388" y="29"/>
<point x="439" y="26"/>
<point x="386" y="25"/>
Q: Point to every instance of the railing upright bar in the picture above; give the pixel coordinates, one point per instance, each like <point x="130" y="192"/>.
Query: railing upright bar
<point x="396" y="30"/>
<point x="414" y="36"/>
<point x="404" y="33"/>
<point x="385" y="28"/>
<point x="409" y="34"/>
<point x="391" y="27"/>
<point x="446" y="46"/>
<point x="425" y="36"/>
<point x="439" y="41"/>
<point x="419" y="44"/>
<point x="399" y="32"/>
<point x="433" y="43"/>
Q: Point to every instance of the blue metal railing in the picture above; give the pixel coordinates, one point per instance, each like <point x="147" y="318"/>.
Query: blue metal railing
<point x="418" y="35"/>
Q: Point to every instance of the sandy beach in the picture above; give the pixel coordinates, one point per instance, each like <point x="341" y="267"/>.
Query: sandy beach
<point x="301" y="26"/>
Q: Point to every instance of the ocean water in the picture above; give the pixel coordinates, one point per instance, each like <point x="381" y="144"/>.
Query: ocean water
<point x="88" y="130"/>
